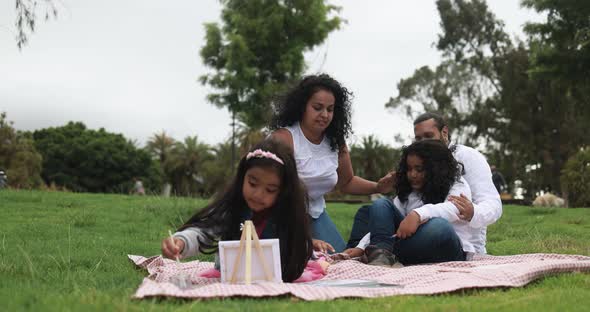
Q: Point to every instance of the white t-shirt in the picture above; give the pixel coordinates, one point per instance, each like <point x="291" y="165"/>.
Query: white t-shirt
<point x="316" y="166"/>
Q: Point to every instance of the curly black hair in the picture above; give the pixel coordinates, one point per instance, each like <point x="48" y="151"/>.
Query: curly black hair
<point x="440" y="167"/>
<point x="290" y="107"/>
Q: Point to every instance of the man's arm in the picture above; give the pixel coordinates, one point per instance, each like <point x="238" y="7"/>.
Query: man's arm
<point x="447" y="209"/>
<point x="486" y="203"/>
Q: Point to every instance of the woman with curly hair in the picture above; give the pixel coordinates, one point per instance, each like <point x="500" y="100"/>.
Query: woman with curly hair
<point x="426" y="226"/>
<point x="313" y="118"/>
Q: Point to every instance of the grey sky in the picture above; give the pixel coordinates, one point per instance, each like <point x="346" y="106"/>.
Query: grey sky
<point x="132" y="66"/>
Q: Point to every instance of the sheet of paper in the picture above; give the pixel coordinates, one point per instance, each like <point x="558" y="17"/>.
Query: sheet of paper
<point x="351" y="283"/>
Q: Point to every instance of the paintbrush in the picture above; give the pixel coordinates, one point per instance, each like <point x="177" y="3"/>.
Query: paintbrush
<point x="180" y="279"/>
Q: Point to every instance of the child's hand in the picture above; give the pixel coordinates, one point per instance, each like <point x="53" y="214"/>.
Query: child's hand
<point x="408" y="226"/>
<point x="172" y="247"/>
<point x="320" y="245"/>
<point x="354" y="252"/>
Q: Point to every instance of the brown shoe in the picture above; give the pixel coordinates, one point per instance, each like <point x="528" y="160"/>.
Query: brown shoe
<point x="380" y="257"/>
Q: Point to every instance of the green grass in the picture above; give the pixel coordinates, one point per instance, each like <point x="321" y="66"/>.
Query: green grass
<point x="66" y="251"/>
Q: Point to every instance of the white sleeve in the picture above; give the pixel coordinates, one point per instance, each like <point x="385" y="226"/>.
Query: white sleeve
<point x="446" y="209"/>
<point x="364" y="242"/>
<point x="190" y="236"/>
<point x="487" y="206"/>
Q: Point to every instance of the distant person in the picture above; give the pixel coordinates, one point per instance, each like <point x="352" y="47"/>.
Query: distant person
<point x="266" y="190"/>
<point x="499" y="181"/>
<point x="3" y="179"/>
<point x="138" y="188"/>
<point x="314" y="119"/>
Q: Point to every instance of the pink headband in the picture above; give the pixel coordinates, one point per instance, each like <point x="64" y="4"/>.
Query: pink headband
<point x="264" y="154"/>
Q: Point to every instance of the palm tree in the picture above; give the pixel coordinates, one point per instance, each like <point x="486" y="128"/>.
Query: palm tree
<point x="218" y="172"/>
<point x="373" y="159"/>
<point x="248" y="137"/>
<point x="160" y="146"/>
<point x="186" y="165"/>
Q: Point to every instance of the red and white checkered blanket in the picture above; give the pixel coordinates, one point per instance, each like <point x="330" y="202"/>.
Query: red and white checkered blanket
<point x="481" y="272"/>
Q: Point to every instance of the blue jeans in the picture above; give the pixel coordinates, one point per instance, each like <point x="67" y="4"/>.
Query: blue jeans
<point x="381" y="219"/>
<point x="360" y="226"/>
<point x="323" y="228"/>
<point x="434" y="241"/>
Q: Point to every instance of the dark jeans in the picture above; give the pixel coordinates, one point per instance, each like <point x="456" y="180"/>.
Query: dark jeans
<point x="434" y="241"/>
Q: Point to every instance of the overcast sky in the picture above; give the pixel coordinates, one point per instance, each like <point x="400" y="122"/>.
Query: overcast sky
<point x="132" y="66"/>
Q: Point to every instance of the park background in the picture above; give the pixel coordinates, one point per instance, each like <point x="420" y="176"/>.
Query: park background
<point x="98" y="93"/>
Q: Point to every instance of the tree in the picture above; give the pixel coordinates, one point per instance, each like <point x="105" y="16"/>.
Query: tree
<point x="160" y="145"/>
<point x="491" y="91"/>
<point x="560" y="60"/>
<point x="86" y="160"/>
<point x="576" y="179"/>
<point x="465" y="87"/>
<point x="218" y="172"/>
<point x="18" y="157"/>
<point x="248" y="137"/>
<point x="26" y="18"/>
<point x="561" y="44"/>
<point x="186" y="166"/>
<point x="372" y="159"/>
<point x="258" y="49"/>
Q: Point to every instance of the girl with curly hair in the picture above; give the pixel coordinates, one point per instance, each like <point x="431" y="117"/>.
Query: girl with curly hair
<point x="426" y="226"/>
<point x="313" y="118"/>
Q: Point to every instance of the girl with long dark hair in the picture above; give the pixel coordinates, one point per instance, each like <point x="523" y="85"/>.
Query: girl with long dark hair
<point x="267" y="191"/>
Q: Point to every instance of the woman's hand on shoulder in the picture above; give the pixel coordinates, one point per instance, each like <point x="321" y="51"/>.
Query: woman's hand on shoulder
<point x="386" y="184"/>
<point x="172" y="247"/>
<point x="320" y="245"/>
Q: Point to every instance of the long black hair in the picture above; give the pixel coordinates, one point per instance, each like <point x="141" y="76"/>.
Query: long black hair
<point x="221" y="218"/>
<point x="290" y="108"/>
<point x="440" y="167"/>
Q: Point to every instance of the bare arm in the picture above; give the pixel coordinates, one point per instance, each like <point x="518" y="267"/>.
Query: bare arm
<point x="347" y="181"/>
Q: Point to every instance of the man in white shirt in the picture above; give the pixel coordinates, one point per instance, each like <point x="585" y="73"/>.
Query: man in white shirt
<point x="485" y="209"/>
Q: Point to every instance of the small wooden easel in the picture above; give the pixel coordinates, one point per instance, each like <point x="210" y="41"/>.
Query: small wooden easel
<point x="249" y="235"/>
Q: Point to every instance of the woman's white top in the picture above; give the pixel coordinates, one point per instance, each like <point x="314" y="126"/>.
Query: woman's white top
<point x="471" y="238"/>
<point x="316" y="166"/>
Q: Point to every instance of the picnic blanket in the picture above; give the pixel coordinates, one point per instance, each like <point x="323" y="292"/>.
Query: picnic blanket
<point x="483" y="271"/>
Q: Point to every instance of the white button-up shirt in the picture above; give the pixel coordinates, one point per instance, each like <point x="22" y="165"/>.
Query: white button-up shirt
<point x="479" y="188"/>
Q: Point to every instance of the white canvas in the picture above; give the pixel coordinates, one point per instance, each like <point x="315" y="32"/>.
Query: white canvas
<point x="228" y="250"/>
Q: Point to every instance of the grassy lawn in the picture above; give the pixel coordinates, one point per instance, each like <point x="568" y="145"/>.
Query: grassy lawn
<point x="65" y="251"/>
